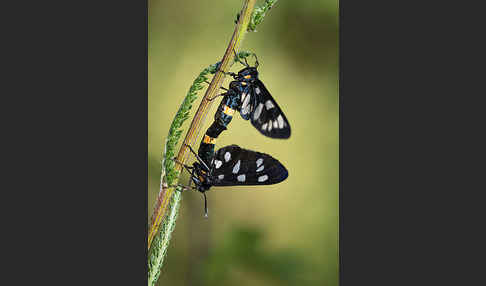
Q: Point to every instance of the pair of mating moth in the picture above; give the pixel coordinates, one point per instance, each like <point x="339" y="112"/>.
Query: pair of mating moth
<point x="233" y="165"/>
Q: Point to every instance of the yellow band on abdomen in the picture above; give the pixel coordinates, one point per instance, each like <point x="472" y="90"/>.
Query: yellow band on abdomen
<point x="209" y="140"/>
<point x="227" y="110"/>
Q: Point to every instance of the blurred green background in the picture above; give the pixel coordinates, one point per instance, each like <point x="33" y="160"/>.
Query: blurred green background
<point x="284" y="234"/>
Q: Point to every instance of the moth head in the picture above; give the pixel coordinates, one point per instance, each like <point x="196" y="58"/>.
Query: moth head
<point x="248" y="74"/>
<point x="201" y="178"/>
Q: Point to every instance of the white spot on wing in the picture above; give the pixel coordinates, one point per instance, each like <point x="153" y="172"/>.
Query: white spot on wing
<point x="264" y="126"/>
<point x="269" y="104"/>
<point x="258" y="110"/>
<point x="275" y="124"/>
<point x="245" y="107"/>
<point x="227" y="156"/>
<point x="236" y="168"/>
<point x="221" y="177"/>
<point x="280" y="121"/>
<point x="218" y="163"/>
<point x="262" y="178"/>
<point x="257" y="90"/>
<point x="243" y="96"/>
<point x="270" y="125"/>
<point x="261" y="168"/>
<point x="259" y="161"/>
<point x="241" y="178"/>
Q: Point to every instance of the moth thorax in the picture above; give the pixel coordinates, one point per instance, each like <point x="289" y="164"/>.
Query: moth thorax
<point x="235" y="85"/>
<point x="248" y="74"/>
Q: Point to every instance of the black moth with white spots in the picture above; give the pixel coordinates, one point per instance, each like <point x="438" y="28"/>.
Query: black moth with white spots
<point x="257" y="104"/>
<point x="233" y="166"/>
<point x="264" y="113"/>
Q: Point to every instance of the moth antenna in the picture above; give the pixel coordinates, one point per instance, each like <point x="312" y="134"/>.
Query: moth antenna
<point x="205" y="206"/>
<point x="238" y="59"/>
<point x="247" y="65"/>
<point x="256" y="60"/>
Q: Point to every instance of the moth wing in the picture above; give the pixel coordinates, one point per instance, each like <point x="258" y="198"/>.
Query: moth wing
<point x="234" y="166"/>
<point x="247" y="103"/>
<point x="266" y="116"/>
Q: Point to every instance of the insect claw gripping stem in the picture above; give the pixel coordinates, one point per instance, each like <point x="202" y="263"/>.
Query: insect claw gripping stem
<point x="185" y="188"/>
<point x="187" y="167"/>
<point x="197" y="156"/>
<point x="179" y="162"/>
<point x="211" y="99"/>
<point x="230" y="73"/>
<point x="223" y="88"/>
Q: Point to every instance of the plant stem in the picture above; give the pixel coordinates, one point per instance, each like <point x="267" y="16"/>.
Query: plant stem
<point x="217" y="81"/>
<point x="161" y="243"/>
<point x="167" y="192"/>
<point x="169" y="177"/>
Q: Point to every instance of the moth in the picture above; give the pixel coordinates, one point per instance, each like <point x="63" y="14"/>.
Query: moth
<point x="234" y="166"/>
<point x="248" y="95"/>
<point x="251" y="98"/>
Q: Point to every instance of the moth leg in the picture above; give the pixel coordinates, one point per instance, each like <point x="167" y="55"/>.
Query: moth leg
<point x="197" y="156"/>
<point x="226" y="73"/>
<point x="184" y="188"/>
<point x="187" y="167"/>
<point x="223" y="88"/>
<point x="180" y="163"/>
<point x="192" y="176"/>
<point x="222" y="94"/>
<point x="230" y="73"/>
<point x="190" y="148"/>
<point x="188" y="188"/>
